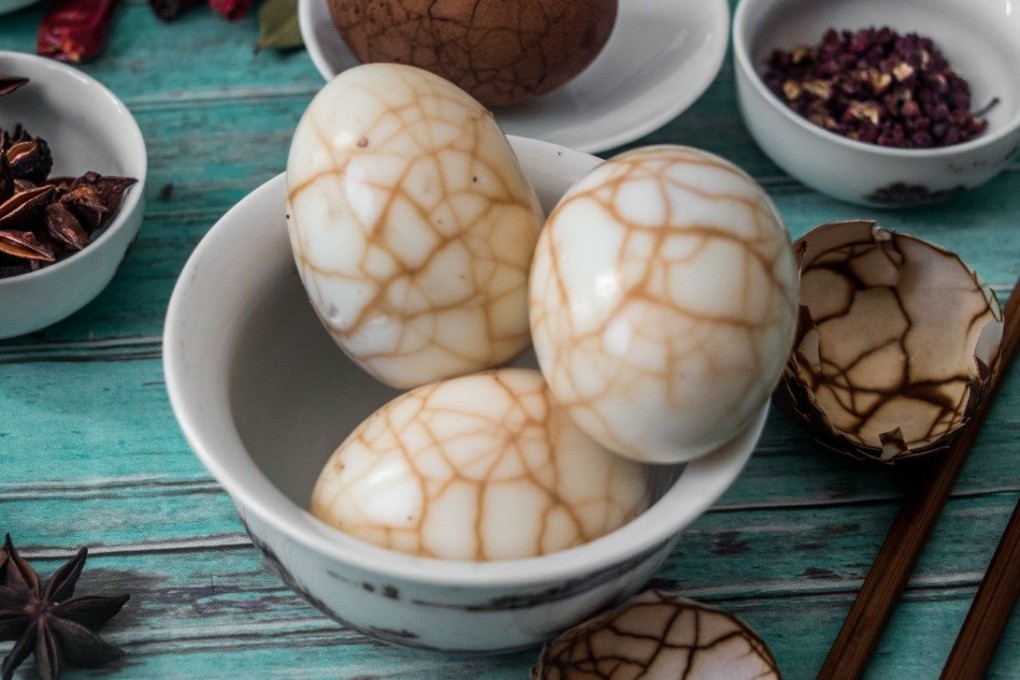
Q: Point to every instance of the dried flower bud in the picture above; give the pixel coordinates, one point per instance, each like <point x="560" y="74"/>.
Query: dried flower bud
<point x="64" y="228"/>
<point x="24" y="208"/>
<point x="24" y="245"/>
<point x="658" y="635"/>
<point x="30" y="159"/>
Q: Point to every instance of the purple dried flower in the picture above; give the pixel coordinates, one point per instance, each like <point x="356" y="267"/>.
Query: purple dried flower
<point x="877" y="86"/>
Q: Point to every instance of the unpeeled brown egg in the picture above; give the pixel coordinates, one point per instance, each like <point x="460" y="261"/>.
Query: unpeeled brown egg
<point x="663" y="299"/>
<point x="500" y="51"/>
<point x="480" y="467"/>
<point x="412" y="225"/>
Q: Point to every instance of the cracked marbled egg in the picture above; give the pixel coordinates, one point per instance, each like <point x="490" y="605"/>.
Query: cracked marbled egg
<point x="502" y="52"/>
<point x="663" y="299"/>
<point x="412" y="225"/>
<point x="480" y="467"/>
<point x="896" y="344"/>
<point x="658" y="635"/>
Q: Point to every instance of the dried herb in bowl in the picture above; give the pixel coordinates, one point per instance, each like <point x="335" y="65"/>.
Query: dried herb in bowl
<point x="874" y="85"/>
<point x="45" y="219"/>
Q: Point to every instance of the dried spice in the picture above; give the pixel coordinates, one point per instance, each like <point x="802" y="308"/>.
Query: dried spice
<point x="658" y="635"/>
<point x="75" y="30"/>
<point x="9" y="84"/>
<point x="48" y="620"/>
<point x="42" y="219"/>
<point x="896" y="344"/>
<point x="877" y="86"/>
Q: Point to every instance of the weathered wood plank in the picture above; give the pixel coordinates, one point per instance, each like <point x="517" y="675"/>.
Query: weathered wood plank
<point x="194" y="612"/>
<point x="114" y="423"/>
<point x="767" y="552"/>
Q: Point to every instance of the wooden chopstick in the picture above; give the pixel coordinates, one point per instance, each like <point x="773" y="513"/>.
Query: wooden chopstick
<point x="989" y="613"/>
<point x="878" y="596"/>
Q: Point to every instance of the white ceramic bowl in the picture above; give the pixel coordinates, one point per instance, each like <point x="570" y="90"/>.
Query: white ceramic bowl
<point x="264" y="397"/>
<point x="981" y="40"/>
<point x="87" y="128"/>
<point x="661" y="56"/>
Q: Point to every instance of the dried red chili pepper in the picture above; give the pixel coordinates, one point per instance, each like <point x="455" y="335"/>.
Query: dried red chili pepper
<point x="231" y="9"/>
<point x="75" y="30"/>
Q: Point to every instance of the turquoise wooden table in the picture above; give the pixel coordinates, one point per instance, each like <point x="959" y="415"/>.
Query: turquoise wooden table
<point x="90" y="453"/>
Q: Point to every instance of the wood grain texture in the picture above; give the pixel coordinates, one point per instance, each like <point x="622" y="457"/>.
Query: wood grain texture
<point x="90" y="452"/>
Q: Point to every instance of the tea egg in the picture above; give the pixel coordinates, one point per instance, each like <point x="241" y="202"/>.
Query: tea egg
<point x="663" y="301"/>
<point x="412" y="225"/>
<point x="502" y="52"/>
<point x="480" y="467"/>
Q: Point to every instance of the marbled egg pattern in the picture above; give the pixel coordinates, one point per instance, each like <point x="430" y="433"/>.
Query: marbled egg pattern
<point x="412" y="225"/>
<point x="480" y="467"/>
<point x="663" y="301"/>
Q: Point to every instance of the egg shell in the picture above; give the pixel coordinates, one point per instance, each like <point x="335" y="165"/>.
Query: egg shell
<point x="480" y="467"/>
<point x="663" y="301"/>
<point x="658" y="635"/>
<point x="412" y="225"/>
<point x="501" y="51"/>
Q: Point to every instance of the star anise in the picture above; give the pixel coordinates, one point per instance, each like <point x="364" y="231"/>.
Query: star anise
<point x="9" y="84"/>
<point x="46" y="618"/>
<point x="29" y="157"/>
<point x="44" y="219"/>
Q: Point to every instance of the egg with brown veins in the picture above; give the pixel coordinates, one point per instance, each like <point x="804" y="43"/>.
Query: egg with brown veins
<point x="480" y="467"/>
<point x="663" y="300"/>
<point x="501" y="51"/>
<point x="658" y="635"/>
<point x="412" y="225"/>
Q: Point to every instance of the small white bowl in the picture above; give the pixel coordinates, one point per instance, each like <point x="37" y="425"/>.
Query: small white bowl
<point x="264" y="396"/>
<point x="661" y="56"/>
<point x="87" y="128"/>
<point x="981" y="40"/>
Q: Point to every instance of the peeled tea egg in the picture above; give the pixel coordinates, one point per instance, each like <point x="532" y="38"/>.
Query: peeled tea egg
<point x="412" y="225"/>
<point x="500" y="51"/>
<point x="480" y="467"/>
<point x="658" y="635"/>
<point x="663" y="300"/>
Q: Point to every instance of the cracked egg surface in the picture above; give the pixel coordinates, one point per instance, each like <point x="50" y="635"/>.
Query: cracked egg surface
<point x="412" y="225"/>
<point x="658" y="636"/>
<point x="896" y="345"/>
<point x="663" y="301"/>
<point x="501" y="52"/>
<point x="479" y="467"/>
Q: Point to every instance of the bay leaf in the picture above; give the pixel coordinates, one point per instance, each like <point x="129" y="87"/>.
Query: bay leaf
<point x="278" y="25"/>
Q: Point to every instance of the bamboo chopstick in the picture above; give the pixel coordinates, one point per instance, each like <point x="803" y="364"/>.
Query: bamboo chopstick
<point x="990" y="611"/>
<point x="878" y="596"/>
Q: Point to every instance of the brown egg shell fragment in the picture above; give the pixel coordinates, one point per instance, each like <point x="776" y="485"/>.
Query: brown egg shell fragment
<point x="500" y="52"/>
<point x="658" y="635"/>
<point x="896" y="342"/>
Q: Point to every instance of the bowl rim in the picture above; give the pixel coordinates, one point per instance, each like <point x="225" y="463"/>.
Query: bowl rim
<point x="699" y="485"/>
<point x="741" y="40"/>
<point x="129" y="128"/>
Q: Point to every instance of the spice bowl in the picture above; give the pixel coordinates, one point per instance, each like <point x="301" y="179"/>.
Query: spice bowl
<point x="264" y="396"/>
<point x="87" y="128"/>
<point x="981" y="42"/>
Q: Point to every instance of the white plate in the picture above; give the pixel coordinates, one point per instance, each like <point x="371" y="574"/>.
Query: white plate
<point x="662" y="55"/>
